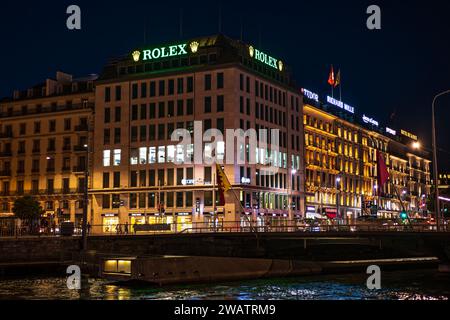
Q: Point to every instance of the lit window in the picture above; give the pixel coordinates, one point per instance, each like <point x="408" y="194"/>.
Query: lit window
<point x="117" y="157"/>
<point x="170" y="153"/>
<point x="106" y="158"/>
<point x="221" y="150"/>
<point x="190" y="152"/>
<point x="152" y="155"/>
<point x="134" y="157"/>
<point x="180" y="153"/>
<point x="143" y="155"/>
<point x="161" y="154"/>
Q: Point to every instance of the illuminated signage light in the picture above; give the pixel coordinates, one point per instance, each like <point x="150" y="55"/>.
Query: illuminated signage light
<point x="265" y="58"/>
<point x="164" y="52"/>
<point x="409" y="135"/>
<point x="245" y="180"/>
<point x="391" y="131"/>
<point x="366" y="119"/>
<point x="310" y="95"/>
<point x="340" y="104"/>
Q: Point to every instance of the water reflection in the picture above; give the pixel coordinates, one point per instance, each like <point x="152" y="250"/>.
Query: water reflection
<point x="406" y="285"/>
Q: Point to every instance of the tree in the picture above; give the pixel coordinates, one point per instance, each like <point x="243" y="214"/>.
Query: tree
<point x="26" y="208"/>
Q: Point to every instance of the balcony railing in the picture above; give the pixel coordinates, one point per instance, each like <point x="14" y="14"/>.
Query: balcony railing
<point x="5" y="173"/>
<point x="81" y="127"/>
<point x="79" y="169"/>
<point x="79" y="148"/>
<point x="6" y="154"/>
<point x="48" y="109"/>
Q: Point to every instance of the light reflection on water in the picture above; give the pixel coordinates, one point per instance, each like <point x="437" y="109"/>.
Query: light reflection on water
<point x="404" y="285"/>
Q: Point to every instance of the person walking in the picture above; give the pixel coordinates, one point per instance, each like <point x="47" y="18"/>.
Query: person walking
<point x="126" y="228"/>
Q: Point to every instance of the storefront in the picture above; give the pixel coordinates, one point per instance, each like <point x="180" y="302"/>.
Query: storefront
<point x="183" y="222"/>
<point x="109" y="222"/>
<point x="136" y="219"/>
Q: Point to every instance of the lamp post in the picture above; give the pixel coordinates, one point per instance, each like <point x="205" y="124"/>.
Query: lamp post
<point x="435" y="164"/>
<point x="85" y="200"/>
<point x="338" y="193"/>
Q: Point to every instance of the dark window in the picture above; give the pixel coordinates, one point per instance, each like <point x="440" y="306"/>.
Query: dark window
<point x="180" y="108"/>
<point x="52" y="126"/>
<point x="152" y="89"/>
<point x="118" y="114"/>
<point x="161" y="128"/>
<point x="170" y="108"/>
<point x="107" y="94"/>
<point x="190" y="84"/>
<point x="106" y="201"/>
<point x="220" y="80"/>
<point x="107" y="116"/>
<point x="220" y="125"/>
<point x="220" y="103"/>
<point x="161" y="110"/>
<point x="152" y="111"/>
<point x="162" y="88"/>
<point x="144" y="90"/>
<point x="171" y="86"/>
<point x="134" y="112"/>
<point x="207" y="104"/>
<point x="106" y="180"/>
<point x="190" y="107"/>
<point x="207" y="82"/>
<point x="118" y="93"/>
<point x="241" y="82"/>
<point x="106" y="136"/>
<point x="116" y="182"/>
<point x="143" y="111"/>
<point x="134" y="90"/>
<point x="180" y="85"/>
<point x="117" y="135"/>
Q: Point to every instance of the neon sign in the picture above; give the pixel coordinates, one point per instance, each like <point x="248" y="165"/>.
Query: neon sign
<point x="391" y="131"/>
<point x="409" y="135"/>
<point x="340" y="104"/>
<point x="310" y="95"/>
<point x="164" y="52"/>
<point x="265" y="58"/>
<point x="366" y="119"/>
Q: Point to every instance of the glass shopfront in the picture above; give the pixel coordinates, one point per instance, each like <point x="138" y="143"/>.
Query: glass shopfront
<point x="110" y="223"/>
<point x="136" y="219"/>
<point x="184" y="222"/>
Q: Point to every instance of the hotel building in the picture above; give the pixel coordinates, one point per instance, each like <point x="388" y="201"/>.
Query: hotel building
<point x="43" y="133"/>
<point x="341" y="164"/>
<point x="140" y="175"/>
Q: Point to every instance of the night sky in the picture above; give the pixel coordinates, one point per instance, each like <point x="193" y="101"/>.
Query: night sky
<point x="390" y="75"/>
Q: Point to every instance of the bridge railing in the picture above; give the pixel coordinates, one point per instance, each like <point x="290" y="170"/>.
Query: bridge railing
<point x="223" y="227"/>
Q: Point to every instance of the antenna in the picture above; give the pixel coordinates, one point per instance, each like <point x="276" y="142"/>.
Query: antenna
<point x="220" y="18"/>
<point x="145" y="31"/>
<point x="181" y="22"/>
<point x="259" y="35"/>
<point x="242" y="29"/>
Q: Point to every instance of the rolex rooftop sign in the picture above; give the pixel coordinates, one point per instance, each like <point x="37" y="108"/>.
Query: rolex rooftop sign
<point x="165" y="52"/>
<point x="265" y="58"/>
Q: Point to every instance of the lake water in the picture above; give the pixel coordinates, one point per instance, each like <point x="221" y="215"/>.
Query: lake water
<point x="416" y="285"/>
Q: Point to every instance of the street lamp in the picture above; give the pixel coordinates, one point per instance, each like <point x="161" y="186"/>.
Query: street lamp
<point x="338" y="191"/>
<point x="435" y="164"/>
<point x="416" y="145"/>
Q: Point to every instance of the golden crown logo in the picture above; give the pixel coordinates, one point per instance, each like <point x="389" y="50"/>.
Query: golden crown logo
<point x="194" y="46"/>
<point x="280" y="65"/>
<point x="251" y="51"/>
<point x="136" y="55"/>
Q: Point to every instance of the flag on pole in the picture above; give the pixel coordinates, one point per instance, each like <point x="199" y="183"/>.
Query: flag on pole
<point x="223" y="183"/>
<point x="337" y="82"/>
<point x="331" y="77"/>
<point x="383" y="174"/>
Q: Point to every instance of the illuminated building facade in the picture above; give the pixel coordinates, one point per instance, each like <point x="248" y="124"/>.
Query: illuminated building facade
<point x="341" y="164"/>
<point x="43" y="133"/>
<point x="140" y="176"/>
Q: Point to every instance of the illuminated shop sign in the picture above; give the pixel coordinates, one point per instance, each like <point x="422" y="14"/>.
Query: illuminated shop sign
<point x="165" y="52"/>
<point x="409" y="135"/>
<point x="187" y="182"/>
<point x="310" y="95"/>
<point x="245" y="180"/>
<point x="265" y="58"/>
<point x="391" y="131"/>
<point x="340" y="104"/>
<point x="371" y="121"/>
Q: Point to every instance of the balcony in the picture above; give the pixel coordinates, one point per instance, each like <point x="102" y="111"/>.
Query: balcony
<point x="51" y="170"/>
<point x="79" y="148"/>
<point x="79" y="169"/>
<point x="6" y="135"/>
<point x="36" y="151"/>
<point x="48" y="109"/>
<point x="66" y="169"/>
<point x="5" y="173"/>
<point x="5" y="154"/>
<point x="35" y="170"/>
<point x="67" y="148"/>
<point x="81" y="128"/>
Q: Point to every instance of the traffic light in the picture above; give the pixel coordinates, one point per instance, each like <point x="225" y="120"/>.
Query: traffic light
<point x="403" y="215"/>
